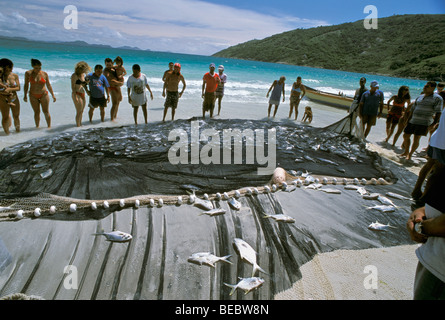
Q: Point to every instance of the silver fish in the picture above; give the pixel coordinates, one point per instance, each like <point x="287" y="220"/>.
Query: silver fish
<point x="48" y="173"/>
<point x="351" y="187"/>
<point x="372" y="196"/>
<point x="362" y="191"/>
<point x="379" y="226"/>
<point x="203" y="204"/>
<point x="386" y="201"/>
<point x="246" y="284"/>
<point x="397" y="196"/>
<point x="306" y="157"/>
<point x="247" y="253"/>
<point x="214" y="212"/>
<point x="6" y="208"/>
<point x="234" y="204"/>
<point x="281" y="218"/>
<point x="115" y="236"/>
<point x="327" y="161"/>
<point x="306" y="174"/>
<point x="382" y="208"/>
<point x="299" y="160"/>
<point x="331" y="190"/>
<point x="207" y="258"/>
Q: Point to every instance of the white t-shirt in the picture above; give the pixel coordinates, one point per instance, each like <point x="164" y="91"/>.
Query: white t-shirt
<point x="138" y="89"/>
<point x="438" y="136"/>
<point x="432" y="253"/>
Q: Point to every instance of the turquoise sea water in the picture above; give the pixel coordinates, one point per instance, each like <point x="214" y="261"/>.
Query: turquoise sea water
<point x="247" y="85"/>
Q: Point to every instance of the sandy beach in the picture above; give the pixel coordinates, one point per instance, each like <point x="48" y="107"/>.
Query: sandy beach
<point x="334" y="275"/>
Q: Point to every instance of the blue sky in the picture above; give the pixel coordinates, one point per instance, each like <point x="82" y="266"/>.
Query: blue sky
<point x="188" y="26"/>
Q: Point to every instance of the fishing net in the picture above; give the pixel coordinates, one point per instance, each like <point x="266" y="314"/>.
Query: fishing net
<point x="348" y="125"/>
<point x="128" y="166"/>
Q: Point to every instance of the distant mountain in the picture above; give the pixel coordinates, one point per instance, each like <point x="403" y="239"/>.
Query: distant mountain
<point x="403" y="46"/>
<point x="72" y="43"/>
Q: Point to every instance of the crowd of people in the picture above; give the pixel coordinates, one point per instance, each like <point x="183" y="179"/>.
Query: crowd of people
<point x="418" y="118"/>
<point x="102" y="85"/>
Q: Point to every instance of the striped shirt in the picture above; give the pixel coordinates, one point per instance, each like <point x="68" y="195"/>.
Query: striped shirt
<point x="424" y="109"/>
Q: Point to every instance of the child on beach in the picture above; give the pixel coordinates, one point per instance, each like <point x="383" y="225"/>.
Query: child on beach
<point x="137" y="85"/>
<point x="120" y="71"/>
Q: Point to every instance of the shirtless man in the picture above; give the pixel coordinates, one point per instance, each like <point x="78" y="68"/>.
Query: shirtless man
<point x="115" y="87"/>
<point x="171" y="83"/>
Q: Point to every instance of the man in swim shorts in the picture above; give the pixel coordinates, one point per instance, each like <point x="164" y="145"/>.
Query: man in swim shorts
<point x="171" y="84"/>
<point x="210" y="82"/>
<point x="98" y="84"/>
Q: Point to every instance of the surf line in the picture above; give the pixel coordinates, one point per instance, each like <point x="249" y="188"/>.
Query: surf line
<point x="210" y="152"/>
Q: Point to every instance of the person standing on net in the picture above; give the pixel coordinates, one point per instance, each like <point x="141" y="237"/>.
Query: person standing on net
<point x="371" y="107"/>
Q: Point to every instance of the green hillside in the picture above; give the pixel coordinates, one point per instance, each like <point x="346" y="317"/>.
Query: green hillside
<point x="403" y="46"/>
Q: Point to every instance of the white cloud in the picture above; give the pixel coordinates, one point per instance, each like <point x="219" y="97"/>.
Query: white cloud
<point x="186" y="26"/>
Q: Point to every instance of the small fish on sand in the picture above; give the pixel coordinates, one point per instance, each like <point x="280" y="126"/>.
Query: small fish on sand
<point x="382" y="208"/>
<point x="398" y="196"/>
<point x="281" y="218"/>
<point x="246" y="284"/>
<point x="207" y="259"/>
<point x="234" y="204"/>
<point x="214" y="212"/>
<point x="115" y="236"/>
<point x="377" y="226"/>
<point x="247" y="253"/>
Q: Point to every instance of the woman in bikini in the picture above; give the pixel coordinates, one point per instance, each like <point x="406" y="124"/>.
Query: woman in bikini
<point x="79" y="88"/>
<point x="9" y="100"/>
<point x="36" y="80"/>
<point x="295" y="99"/>
<point x="396" y="114"/>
